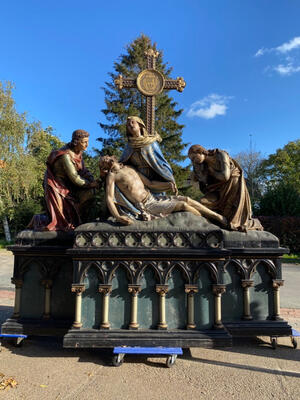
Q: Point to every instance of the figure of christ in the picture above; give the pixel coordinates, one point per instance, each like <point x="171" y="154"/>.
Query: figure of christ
<point x="137" y="188"/>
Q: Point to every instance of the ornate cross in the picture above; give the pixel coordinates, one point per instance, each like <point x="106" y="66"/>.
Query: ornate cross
<point x="150" y="83"/>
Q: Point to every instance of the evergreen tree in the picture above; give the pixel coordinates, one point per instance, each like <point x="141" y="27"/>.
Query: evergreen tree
<point x="126" y="102"/>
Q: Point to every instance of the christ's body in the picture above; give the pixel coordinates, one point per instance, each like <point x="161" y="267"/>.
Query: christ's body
<point x="136" y="187"/>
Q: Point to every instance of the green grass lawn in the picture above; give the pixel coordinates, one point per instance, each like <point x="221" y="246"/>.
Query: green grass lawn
<point x="4" y="243"/>
<point x="291" y="258"/>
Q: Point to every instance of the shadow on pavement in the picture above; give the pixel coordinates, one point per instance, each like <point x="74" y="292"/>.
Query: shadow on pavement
<point x="52" y="347"/>
<point x="5" y="312"/>
<point x="187" y="356"/>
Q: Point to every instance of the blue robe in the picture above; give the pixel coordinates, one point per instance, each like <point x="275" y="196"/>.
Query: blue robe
<point x="154" y="158"/>
<point x="156" y="161"/>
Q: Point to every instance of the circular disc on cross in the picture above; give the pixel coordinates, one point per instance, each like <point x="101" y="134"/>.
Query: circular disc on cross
<point x="150" y="82"/>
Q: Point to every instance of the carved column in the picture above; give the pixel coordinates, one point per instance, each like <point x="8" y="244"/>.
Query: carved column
<point x="105" y="290"/>
<point x="162" y="290"/>
<point x="47" y="283"/>
<point x="218" y="290"/>
<point x="18" y="289"/>
<point x="134" y="290"/>
<point x="276" y="287"/>
<point x="78" y="289"/>
<point x="246" y="284"/>
<point x="191" y="290"/>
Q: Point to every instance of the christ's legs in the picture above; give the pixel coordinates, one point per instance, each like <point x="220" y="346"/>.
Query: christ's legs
<point x="184" y="206"/>
<point x="206" y="212"/>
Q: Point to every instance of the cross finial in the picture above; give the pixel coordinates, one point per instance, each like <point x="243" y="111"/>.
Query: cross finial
<point x="150" y="83"/>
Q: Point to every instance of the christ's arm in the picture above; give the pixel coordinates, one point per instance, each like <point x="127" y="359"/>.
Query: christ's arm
<point x="158" y="185"/>
<point x="110" y="195"/>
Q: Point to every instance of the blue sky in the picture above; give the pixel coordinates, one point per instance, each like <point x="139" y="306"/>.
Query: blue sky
<point x="240" y="60"/>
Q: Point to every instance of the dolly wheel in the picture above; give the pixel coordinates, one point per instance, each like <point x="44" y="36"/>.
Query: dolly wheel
<point x="294" y="342"/>
<point x="18" y="342"/>
<point x="274" y="342"/>
<point x="117" y="360"/>
<point x="171" y="360"/>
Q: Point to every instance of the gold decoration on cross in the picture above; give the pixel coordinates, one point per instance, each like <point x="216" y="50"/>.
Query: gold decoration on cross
<point x="150" y="82"/>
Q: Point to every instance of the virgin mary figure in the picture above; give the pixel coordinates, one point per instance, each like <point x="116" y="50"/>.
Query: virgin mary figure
<point x="143" y="152"/>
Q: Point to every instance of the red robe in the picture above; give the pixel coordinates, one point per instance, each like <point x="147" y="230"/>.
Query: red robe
<point x="62" y="205"/>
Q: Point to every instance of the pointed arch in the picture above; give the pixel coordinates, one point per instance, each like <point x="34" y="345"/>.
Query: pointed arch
<point x="150" y="265"/>
<point x="269" y="266"/>
<point x="126" y="266"/>
<point x="92" y="264"/>
<point x="180" y="265"/>
<point x="212" y="269"/>
<point x="239" y="267"/>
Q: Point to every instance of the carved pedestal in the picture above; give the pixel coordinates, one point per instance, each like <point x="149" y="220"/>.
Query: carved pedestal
<point x="178" y="281"/>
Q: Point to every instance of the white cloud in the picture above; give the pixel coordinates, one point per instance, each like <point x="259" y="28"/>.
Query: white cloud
<point x="288" y="46"/>
<point x="289" y="64"/>
<point x="287" y="69"/>
<point x="260" y="52"/>
<point x="209" y="107"/>
<point x="282" y="49"/>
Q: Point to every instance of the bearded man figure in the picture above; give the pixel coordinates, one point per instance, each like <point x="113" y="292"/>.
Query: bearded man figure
<point x="68" y="186"/>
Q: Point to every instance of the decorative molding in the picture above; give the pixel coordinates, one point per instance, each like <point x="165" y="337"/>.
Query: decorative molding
<point x="158" y="239"/>
<point x="78" y="288"/>
<point x="162" y="290"/>
<point x="106" y="270"/>
<point x="218" y="289"/>
<point x="47" y="283"/>
<point x="104" y="289"/>
<point x="17" y="282"/>
<point x="276" y="283"/>
<point x="247" y="283"/>
<point x="246" y="267"/>
<point x="191" y="289"/>
<point x="134" y="289"/>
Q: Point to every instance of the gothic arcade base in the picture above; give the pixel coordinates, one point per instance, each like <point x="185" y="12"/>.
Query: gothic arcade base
<point x="177" y="281"/>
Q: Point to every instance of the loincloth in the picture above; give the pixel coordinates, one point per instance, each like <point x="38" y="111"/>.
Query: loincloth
<point x="160" y="205"/>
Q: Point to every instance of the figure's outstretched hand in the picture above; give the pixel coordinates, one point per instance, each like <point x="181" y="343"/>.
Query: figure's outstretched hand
<point x="174" y="188"/>
<point x="94" y="184"/>
<point x="125" y="220"/>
